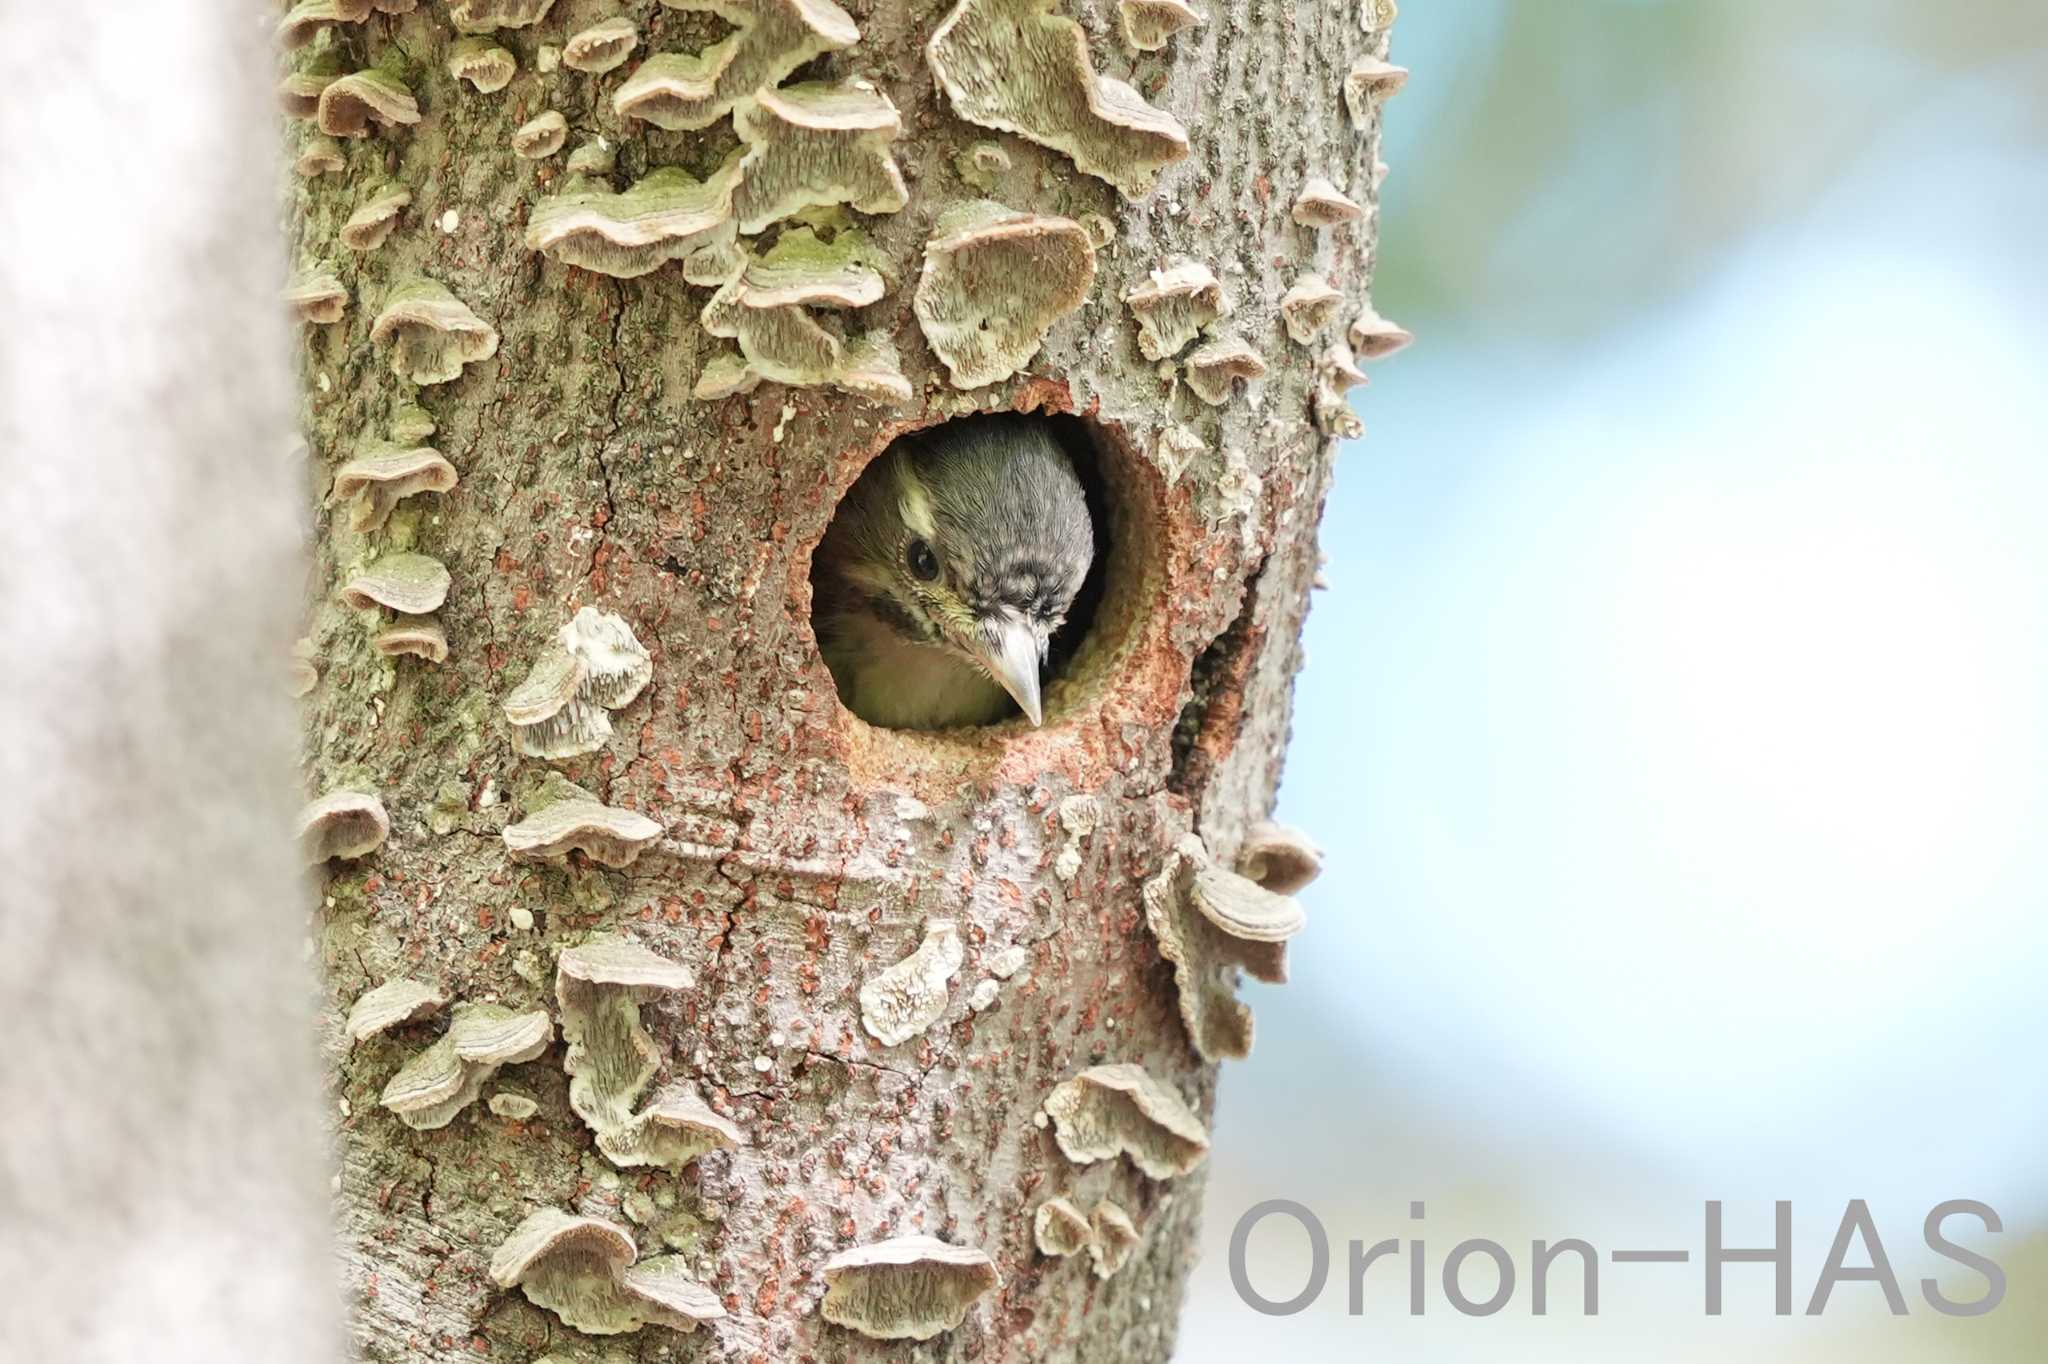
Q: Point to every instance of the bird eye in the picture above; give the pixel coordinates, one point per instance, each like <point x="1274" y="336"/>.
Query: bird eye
<point x="923" y="562"/>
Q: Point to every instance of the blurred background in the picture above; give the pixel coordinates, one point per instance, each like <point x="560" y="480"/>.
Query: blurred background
<point x="1677" y="716"/>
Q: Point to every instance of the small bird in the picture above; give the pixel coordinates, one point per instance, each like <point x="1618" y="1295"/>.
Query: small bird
<point x="948" y="567"/>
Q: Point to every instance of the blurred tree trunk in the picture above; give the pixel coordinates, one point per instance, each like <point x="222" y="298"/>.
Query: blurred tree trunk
<point x="801" y="852"/>
<point x="162" y="1191"/>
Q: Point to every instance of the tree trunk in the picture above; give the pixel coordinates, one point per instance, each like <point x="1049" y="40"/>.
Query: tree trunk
<point x="660" y="435"/>
<point x="162" y="1190"/>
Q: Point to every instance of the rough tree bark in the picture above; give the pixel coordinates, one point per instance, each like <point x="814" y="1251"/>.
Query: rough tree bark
<point x="591" y="365"/>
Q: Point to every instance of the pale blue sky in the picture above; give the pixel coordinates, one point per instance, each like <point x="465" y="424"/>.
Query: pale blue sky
<point x="1676" y="709"/>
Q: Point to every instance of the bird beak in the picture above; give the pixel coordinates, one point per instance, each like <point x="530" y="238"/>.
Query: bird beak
<point x="1011" y="657"/>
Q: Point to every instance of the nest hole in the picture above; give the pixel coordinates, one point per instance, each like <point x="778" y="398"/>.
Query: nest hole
<point x="1084" y="657"/>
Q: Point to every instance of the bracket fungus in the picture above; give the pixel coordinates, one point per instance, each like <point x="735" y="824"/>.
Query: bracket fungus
<point x="512" y="1107"/>
<point x="622" y="962"/>
<point x="803" y="269"/>
<point x="298" y="93"/>
<point x="1060" y="1228"/>
<point x="579" y="823"/>
<point x="1321" y="204"/>
<point x="439" y="1082"/>
<point x="350" y="105"/>
<point x="320" y="156"/>
<point x="611" y="1058"/>
<point x="767" y="307"/>
<point x="980" y="164"/>
<point x="303" y="675"/>
<point x="1149" y="24"/>
<point x="1337" y="373"/>
<point x="1335" y="419"/>
<point x="1116" y="1110"/>
<point x="412" y="424"/>
<point x="342" y="824"/>
<point x="771" y="38"/>
<point x="901" y="1002"/>
<point x="1279" y="858"/>
<point x="1175" y="448"/>
<point x="665" y="217"/>
<point x="1375" y="338"/>
<point x="673" y="1130"/>
<point x="410" y="584"/>
<point x="399" y="1000"/>
<point x="993" y="284"/>
<point x="415" y="637"/>
<point x="1369" y="83"/>
<point x="386" y="475"/>
<point x="602" y="47"/>
<point x="317" y="298"/>
<point x="907" y="1288"/>
<point x="1309" y="308"/>
<point x="595" y="157"/>
<point x="1214" y="369"/>
<point x="1114" y="1238"/>
<point x="723" y="376"/>
<point x="305" y="20"/>
<point x="487" y="67"/>
<point x="1208" y="919"/>
<point x="1017" y="66"/>
<point x="817" y="143"/>
<point x="1107" y="1234"/>
<point x="370" y="225"/>
<point x="1173" y="306"/>
<point x="588" y="1272"/>
<point x="540" y="136"/>
<point x="432" y="333"/>
<point x="593" y="665"/>
<point x="485" y="15"/>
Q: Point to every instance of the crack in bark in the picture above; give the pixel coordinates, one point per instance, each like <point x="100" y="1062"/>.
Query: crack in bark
<point x="427" y="1188"/>
<point x="916" y="1078"/>
<point x="1218" y="676"/>
<point x="615" y="351"/>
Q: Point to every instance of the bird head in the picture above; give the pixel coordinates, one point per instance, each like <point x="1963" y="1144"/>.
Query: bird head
<point x="971" y="539"/>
